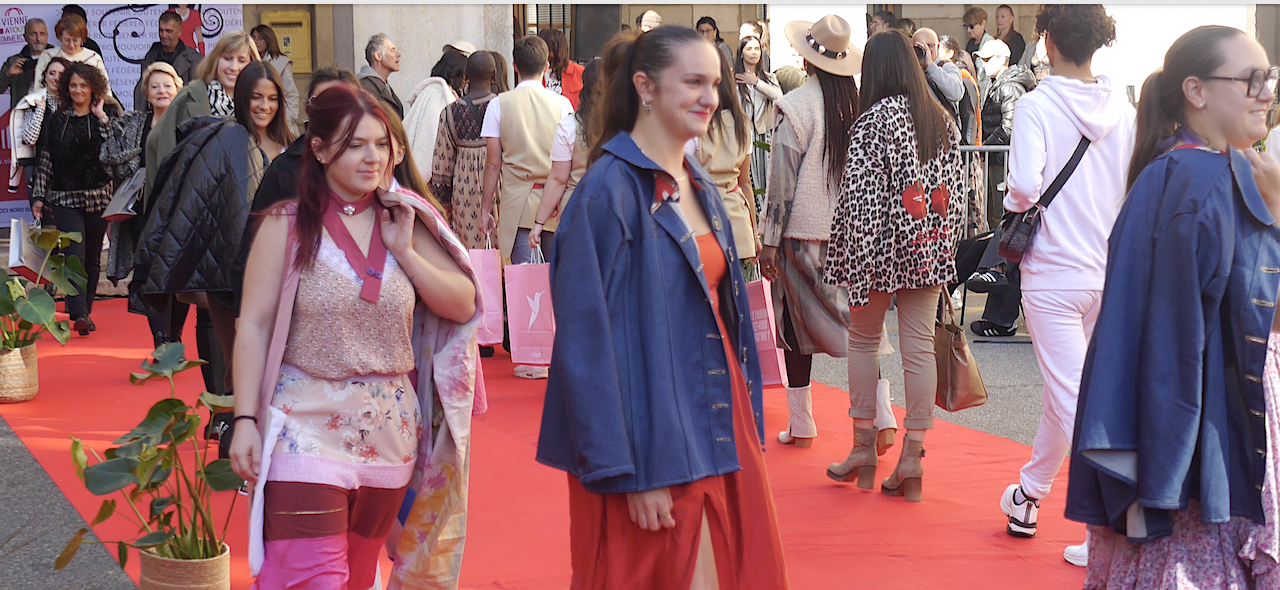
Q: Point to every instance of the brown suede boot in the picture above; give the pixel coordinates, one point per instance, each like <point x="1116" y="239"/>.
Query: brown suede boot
<point x="908" y="475"/>
<point x="861" y="461"/>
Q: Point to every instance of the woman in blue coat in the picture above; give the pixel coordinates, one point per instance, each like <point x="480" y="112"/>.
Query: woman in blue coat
<point x="653" y="403"/>
<point x="1177" y="434"/>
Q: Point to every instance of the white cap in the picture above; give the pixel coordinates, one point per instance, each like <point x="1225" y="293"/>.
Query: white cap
<point x="993" y="48"/>
<point x="466" y="48"/>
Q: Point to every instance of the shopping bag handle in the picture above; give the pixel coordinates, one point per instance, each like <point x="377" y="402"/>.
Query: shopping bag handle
<point x="536" y="257"/>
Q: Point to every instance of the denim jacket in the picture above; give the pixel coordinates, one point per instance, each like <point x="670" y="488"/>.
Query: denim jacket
<point x="1171" y="398"/>
<point x="639" y="394"/>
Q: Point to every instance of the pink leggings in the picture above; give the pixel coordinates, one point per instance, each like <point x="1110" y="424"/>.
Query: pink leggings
<point x="321" y="537"/>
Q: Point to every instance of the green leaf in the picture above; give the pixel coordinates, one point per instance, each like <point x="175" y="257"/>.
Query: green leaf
<point x="111" y="476"/>
<point x="220" y="476"/>
<point x="122" y="552"/>
<point x="67" y="237"/>
<point x="78" y="457"/>
<point x="46" y="239"/>
<point x="108" y="508"/>
<point x="158" y="505"/>
<point x="157" y="420"/>
<point x="61" y="331"/>
<point x="764" y="145"/>
<point x="75" y="272"/>
<point x="759" y="191"/>
<point x="69" y="552"/>
<point x="151" y="540"/>
<point x="185" y="429"/>
<point x="146" y="469"/>
<point x="17" y="288"/>
<point x="212" y="401"/>
<point x="63" y="276"/>
<point x="167" y="360"/>
<point x="37" y="307"/>
<point x="6" y="303"/>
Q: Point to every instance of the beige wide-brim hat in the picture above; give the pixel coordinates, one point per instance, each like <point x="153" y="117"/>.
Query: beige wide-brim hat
<point x="825" y="44"/>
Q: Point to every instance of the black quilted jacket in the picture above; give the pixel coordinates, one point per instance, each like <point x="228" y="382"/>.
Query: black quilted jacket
<point x="201" y="197"/>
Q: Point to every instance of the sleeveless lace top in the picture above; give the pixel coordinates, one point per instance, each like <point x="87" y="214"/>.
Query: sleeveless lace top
<point x="336" y="335"/>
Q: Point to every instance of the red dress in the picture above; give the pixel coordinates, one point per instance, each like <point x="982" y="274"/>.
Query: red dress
<point x="611" y="552"/>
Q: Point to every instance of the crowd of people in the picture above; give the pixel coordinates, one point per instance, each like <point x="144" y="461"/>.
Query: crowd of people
<point x="324" y="241"/>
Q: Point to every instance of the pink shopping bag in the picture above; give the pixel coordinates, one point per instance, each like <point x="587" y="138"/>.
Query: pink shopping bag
<point x="760" y="295"/>
<point x="532" y="321"/>
<point x="488" y="267"/>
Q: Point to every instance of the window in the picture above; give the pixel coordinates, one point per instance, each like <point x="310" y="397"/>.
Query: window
<point x="548" y="16"/>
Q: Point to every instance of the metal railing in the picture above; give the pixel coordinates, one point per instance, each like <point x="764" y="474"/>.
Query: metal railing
<point x="985" y="179"/>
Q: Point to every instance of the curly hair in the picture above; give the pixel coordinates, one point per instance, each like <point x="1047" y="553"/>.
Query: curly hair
<point x="1077" y="30"/>
<point x="97" y="84"/>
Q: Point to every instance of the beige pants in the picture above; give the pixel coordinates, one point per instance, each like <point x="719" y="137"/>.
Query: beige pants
<point x="917" y="313"/>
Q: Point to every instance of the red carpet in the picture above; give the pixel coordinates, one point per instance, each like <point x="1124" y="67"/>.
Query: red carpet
<point x="835" y="535"/>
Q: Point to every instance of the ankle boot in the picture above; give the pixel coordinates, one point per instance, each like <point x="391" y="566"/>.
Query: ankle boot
<point x="800" y="427"/>
<point x="861" y="461"/>
<point x="907" y="477"/>
<point x="885" y="421"/>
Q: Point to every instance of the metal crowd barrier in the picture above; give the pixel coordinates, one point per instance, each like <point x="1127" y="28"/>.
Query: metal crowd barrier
<point x="984" y="175"/>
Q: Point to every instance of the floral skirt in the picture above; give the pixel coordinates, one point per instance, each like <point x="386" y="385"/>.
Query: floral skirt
<point x="361" y="432"/>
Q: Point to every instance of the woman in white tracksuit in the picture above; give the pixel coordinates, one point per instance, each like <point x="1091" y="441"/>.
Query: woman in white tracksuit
<point x="1064" y="272"/>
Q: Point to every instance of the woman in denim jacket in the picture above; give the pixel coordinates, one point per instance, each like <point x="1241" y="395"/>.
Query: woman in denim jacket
<point x="653" y="403"/>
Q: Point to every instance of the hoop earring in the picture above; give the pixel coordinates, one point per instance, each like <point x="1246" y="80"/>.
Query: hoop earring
<point x="648" y="106"/>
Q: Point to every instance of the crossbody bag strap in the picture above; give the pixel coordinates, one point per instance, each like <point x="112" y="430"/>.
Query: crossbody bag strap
<point x="1063" y="176"/>
<point x="475" y="110"/>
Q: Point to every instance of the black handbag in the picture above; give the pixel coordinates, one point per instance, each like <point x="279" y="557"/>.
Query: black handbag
<point x="1017" y="230"/>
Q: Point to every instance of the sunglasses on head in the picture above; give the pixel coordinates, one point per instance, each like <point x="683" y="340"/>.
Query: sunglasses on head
<point x="1256" y="80"/>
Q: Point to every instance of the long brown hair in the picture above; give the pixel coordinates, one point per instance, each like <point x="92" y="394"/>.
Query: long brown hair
<point x="278" y="128"/>
<point x="1163" y="106"/>
<point x="728" y="102"/>
<point x="334" y="115"/>
<point x="557" y="49"/>
<point x="840" y="110"/>
<point x="587" y="99"/>
<point x="627" y="53"/>
<point x="890" y="68"/>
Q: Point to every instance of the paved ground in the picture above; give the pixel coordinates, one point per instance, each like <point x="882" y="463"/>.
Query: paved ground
<point x="36" y="520"/>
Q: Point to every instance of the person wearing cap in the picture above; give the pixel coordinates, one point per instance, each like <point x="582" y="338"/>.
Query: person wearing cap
<point x="1008" y="84"/>
<point x="648" y="21"/>
<point x="807" y="159"/>
<point x="466" y="49"/>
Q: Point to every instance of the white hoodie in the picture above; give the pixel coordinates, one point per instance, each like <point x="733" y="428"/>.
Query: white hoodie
<point x="1070" y="250"/>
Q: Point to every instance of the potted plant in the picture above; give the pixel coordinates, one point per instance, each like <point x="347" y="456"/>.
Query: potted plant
<point x="27" y="311"/>
<point x="166" y="481"/>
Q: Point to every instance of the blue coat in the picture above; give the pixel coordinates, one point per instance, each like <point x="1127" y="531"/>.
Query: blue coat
<point x="639" y="394"/>
<point x="1171" y="401"/>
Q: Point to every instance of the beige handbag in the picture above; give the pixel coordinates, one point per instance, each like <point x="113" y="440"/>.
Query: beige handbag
<point x="959" y="382"/>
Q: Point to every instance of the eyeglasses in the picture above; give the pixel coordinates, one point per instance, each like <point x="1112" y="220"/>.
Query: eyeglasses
<point x="1256" y="79"/>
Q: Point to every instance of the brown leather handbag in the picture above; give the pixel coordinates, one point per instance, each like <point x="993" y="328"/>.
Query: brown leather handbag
<point x="959" y="382"/>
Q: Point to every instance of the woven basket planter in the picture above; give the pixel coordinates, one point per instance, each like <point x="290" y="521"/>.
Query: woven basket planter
<point x="159" y="573"/>
<point x="19" y="375"/>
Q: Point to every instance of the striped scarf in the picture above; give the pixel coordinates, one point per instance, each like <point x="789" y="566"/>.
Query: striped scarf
<point x="219" y="102"/>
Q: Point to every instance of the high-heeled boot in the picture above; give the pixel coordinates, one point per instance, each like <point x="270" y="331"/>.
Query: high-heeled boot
<point x="800" y="426"/>
<point x="861" y="462"/>
<point x="908" y="476"/>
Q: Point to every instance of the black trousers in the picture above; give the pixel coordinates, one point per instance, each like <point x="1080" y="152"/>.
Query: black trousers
<point x="92" y="227"/>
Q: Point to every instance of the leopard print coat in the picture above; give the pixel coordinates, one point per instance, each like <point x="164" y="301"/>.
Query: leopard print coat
<point x="885" y="238"/>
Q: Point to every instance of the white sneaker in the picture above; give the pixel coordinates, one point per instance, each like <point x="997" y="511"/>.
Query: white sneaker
<point x="1077" y="555"/>
<point x="1023" y="511"/>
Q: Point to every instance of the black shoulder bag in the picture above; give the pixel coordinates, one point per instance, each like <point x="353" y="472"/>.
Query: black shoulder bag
<point x="1017" y="230"/>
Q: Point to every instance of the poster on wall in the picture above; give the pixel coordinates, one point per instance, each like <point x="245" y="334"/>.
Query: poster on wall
<point x="124" y="32"/>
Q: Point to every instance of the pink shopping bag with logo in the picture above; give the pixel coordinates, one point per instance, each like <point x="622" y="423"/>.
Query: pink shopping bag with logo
<point x="760" y="295"/>
<point x="531" y="320"/>
<point x="488" y="267"/>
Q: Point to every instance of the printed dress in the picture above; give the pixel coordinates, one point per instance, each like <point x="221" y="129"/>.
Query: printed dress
<point x="1237" y="555"/>
<point x="457" y="169"/>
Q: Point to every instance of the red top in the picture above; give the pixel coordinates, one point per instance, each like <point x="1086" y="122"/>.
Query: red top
<point x="571" y="83"/>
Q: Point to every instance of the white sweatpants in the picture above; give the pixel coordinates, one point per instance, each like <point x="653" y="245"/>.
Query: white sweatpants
<point x="1060" y="323"/>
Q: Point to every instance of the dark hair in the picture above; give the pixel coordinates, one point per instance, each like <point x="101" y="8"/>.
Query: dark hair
<point x="740" y="67"/>
<point x="75" y="9"/>
<point x="557" y="50"/>
<point x="587" y="103"/>
<point x="975" y="15"/>
<point x="74" y="24"/>
<point x="480" y="66"/>
<point x="627" y="53"/>
<point x="1078" y="30"/>
<point x="269" y="36"/>
<point x="888" y="18"/>
<point x="1162" y="109"/>
<point x="334" y="115"/>
<point x="451" y="67"/>
<point x="529" y="56"/>
<point x="500" y="82"/>
<point x="728" y="102"/>
<point x="278" y="129"/>
<point x="170" y="16"/>
<point x="66" y="63"/>
<point x="706" y="20"/>
<point x="91" y="75"/>
<point x="951" y="43"/>
<point x="406" y="172"/>
<point x="840" y="110"/>
<point x="889" y="68"/>
<point x="331" y="74"/>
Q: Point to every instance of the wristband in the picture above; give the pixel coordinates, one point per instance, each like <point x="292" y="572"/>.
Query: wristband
<point x="539" y="224"/>
<point x="239" y="418"/>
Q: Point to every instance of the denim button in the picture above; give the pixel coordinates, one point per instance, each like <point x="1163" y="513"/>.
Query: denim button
<point x="1270" y="270"/>
<point x="1256" y="340"/>
<point x="715" y="336"/>
<point x="716" y="372"/>
<point x="1263" y="303"/>
<point x="724" y="439"/>
<point x="1253" y="378"/>
<point x="719" y="406"/>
